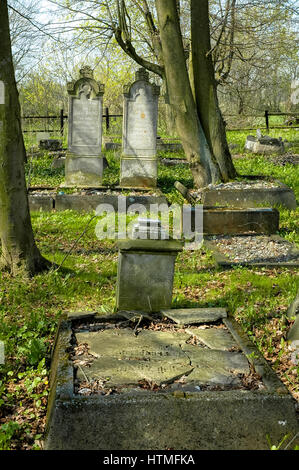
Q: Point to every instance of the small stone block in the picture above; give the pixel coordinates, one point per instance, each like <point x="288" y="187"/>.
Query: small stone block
<point x="214" y="338"/>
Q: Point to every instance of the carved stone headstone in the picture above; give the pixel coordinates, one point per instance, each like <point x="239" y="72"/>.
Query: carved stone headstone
<point x="139" y="159"/>
<point x="84" y="162"/>
<point x="146" y="268"/>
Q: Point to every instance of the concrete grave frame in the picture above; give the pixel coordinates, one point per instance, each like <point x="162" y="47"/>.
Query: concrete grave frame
<point x="224" y="262"/>
<point x="136" y="419"/>
<point x="250" y="198"/>
<point x="216" y="220"/>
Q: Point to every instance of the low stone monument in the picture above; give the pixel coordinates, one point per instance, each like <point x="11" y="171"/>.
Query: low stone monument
<point x="139" y="148"/>
<point x="41" y="136"/>
<point x="53" y="145"/>
<point x="146" y="268"/>
<point x="84" y="162"/>
<point x="264" y="144"/>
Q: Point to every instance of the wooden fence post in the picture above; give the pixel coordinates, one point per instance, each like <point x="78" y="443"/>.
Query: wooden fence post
<point x="267" y="119"/>
<point x="107" y="119"/>
<point x="61" y="121"/>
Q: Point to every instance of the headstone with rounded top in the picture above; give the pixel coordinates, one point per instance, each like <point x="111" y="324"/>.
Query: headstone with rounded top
<point x="139" y="147"/>
<point x="84" y="162"/>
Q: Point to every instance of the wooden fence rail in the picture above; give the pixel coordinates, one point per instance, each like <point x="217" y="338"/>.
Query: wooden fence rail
<point x="107" y="116"/>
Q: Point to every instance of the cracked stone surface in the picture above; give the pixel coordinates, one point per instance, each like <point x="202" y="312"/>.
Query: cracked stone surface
<point x="160" y="357"/>
<point x="214" y="338"/>
<point x="193" y="316"/>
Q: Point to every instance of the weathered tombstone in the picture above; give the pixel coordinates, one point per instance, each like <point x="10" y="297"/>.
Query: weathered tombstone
<point x="146" y="268"/>
<point x="41" y="136"/>
<point x="139" y="148"/>
<point x="84" y="162"/>
<point x="263" y="144"/>
<point x="250" y="141"/>
<point x="53" y="145"/>
<point x="268" y="145"/>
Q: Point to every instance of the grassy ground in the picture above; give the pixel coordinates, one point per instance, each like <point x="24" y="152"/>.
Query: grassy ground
<point x="29" y="310"/>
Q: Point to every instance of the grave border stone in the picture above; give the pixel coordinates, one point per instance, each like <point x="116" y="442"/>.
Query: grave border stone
<point x="224" y="262"/>
<point x="250" y="198"/>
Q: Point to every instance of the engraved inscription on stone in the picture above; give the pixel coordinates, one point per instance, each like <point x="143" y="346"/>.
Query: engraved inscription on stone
<point x="86" y="121"/>
<point x="140" y="130"/>
<point x="2" y="93"/>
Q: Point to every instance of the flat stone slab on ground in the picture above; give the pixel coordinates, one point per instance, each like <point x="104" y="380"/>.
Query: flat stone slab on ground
<point x="214" y="338"/>
<point x="193" y="316"/>
<point x="159" y="357"/>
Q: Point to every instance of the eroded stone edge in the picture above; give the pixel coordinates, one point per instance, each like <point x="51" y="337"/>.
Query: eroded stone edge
<point x="255" y="358"/>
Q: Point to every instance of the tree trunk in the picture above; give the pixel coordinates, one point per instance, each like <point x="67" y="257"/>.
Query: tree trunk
<point x="203" y="83"/>
<point x="188" y="125"/>
<point x="19" y="251"/>
<point x="169" y="116"/>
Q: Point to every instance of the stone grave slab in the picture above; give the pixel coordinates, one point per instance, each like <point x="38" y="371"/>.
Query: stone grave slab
<point x="123" y="358"/>
<point x="237" y="221"/>
<point x="151" y="387"/>
<point x="42" y="135"/>
<point x="194" y="316"/>
<point x="41" y="202"/>
<point x="214" y="338"/>
<point x="88" y="202"/>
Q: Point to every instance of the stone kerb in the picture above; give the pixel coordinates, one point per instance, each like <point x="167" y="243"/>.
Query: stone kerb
<point x="84" y="163"/>
<point x="139" y="143"/>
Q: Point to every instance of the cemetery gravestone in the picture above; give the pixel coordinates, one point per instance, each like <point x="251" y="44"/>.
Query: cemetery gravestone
<point x="139" y="160"/>
<point x="263" y="144"/>
<point x="146" y="268"/>
<point x="84" y="162"/>
<point x="42" y="136"/>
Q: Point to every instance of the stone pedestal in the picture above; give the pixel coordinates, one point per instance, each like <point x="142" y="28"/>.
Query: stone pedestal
<point x="84" y="162"/>
<point x="145" y="274"/>
<point x="83" y="171"/>
<point x="139" y="143"/>
<point x="138" y="172"/>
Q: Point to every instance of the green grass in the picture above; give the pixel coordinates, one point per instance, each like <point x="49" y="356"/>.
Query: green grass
<point x="86" y="281"/>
